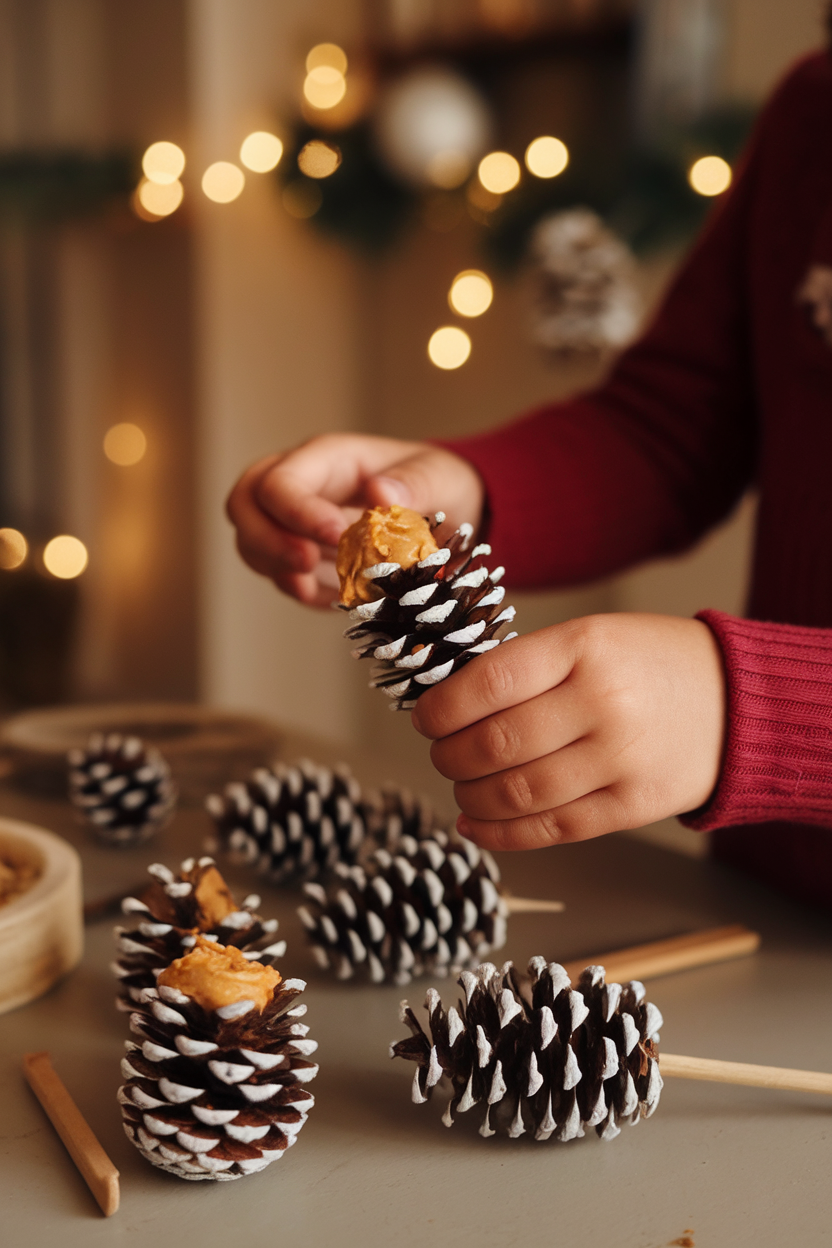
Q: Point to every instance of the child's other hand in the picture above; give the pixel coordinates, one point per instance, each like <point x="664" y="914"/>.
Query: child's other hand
<point x="599" y="724"/>
<point x="290" y="509"/>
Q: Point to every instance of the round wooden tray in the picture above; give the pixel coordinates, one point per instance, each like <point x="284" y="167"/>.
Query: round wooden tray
<point x="41" y="931"/>
<point x="205" y="747"/>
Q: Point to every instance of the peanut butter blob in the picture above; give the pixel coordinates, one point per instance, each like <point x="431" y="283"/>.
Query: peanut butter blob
<point x="382" y="535"/>
<point x="214" y="975"/>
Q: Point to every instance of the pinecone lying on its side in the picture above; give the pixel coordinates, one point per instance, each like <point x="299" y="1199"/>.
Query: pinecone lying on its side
<point x="430" y="618"/>
<point x="216" y="1091"/>
<point x="167" y="918"/>
<point x="430" y="907"/>
<point x="122" y="787"/>
<point x="568" y="1060"/>
<point x="298" y="822"/>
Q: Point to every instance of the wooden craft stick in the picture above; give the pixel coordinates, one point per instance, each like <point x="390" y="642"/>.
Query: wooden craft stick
<point x="532" y="905"/>
<point x="713" y="1071"/>
<point x="679" y="953"/>
<point x="82" y="1145"/>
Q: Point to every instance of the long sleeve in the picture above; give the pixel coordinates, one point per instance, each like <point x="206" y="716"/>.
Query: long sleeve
<point x="646" y="464"/>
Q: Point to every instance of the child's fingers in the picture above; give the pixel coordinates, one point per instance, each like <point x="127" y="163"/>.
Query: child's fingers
<point x="269" y="549"/>
<point x="513" y="737"/>
<point x="291" y="493"/>
<point x="593" y="815"/>
<point x="509" y="674"/>
<point x="544" y="784"/>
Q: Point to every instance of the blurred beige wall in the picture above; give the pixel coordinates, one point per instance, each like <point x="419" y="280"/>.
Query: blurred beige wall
<point x="297" y="338"/>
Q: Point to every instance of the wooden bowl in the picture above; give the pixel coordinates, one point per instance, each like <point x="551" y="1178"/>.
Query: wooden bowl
<point x="204" y="746"/>
<point x="42" y="930"/>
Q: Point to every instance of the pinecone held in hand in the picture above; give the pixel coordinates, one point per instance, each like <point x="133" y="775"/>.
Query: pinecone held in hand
<point x="122" y="787"/>
<point x="552" y="1062"/>
<point x="421" y="610"/>
<point x="430" y="907"/>
<point x="296" y="823"/>
<point x="174" y="909"/>
<point x="215" y="1088"/>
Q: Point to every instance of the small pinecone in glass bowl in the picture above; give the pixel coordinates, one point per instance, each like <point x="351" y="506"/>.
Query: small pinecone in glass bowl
<point x="215" y="1090"/>
<point x="425" y="619"/>
<point x="296" y="823"/>
<point x="122" y="787"/>
<point x="546" y="1058"/>
<point x="164" y="922"/>
<point x="430" y="906"/>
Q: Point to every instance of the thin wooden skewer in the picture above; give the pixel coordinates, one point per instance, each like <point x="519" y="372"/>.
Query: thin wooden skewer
<point x="679" y="953"/>
<point x="714" y="1071"/>
<point x="532" y="905"/>
<point x="82" y="1145"/>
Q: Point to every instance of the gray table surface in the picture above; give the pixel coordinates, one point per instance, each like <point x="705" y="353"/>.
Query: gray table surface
<point x="719" y="1166"/>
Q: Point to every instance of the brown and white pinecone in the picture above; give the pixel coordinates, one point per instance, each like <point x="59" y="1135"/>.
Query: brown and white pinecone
<point x="552" y="1061"/>
<point x="163" y="923"/>
<point x="216" y="1094"/>
<point x="431" y="906"/>
<point x="122" y="787"/>
<point x="431" y="619"/>
<point x="296" y="823"/>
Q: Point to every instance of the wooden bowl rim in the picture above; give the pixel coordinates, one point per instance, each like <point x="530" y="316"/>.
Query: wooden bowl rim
<point x="59" y="859"/>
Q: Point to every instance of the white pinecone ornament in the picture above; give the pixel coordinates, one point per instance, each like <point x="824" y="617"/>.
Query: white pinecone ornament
<point x="552" y="1061"/>
<point x="430" y="907"/>
<point x="164" y="922"/>
<point x="122" y="787"/>
<point x="297" y="823"/>
<point x="423" y="619"/>
<point x="217" y="1091"/>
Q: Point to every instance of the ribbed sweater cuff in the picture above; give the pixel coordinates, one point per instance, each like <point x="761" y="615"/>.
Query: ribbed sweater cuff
<point x="778" y="754"/>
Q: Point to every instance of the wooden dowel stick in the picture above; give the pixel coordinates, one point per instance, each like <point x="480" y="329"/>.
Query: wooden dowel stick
<point x="532" y="905"/>
<point x="713" y="1071"/>
<point x="82" y="1145"/>
<point x="679" y="953"/>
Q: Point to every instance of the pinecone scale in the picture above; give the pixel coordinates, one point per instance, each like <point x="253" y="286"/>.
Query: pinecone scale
<point x="122" y="787"/>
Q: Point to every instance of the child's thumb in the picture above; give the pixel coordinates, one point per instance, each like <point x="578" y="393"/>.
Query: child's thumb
<point x="408" y="483"/>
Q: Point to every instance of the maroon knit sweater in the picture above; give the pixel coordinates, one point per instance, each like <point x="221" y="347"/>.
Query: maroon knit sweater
<point x="731" y="387"/>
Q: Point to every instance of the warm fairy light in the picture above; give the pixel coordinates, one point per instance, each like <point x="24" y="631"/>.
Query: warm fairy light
<point x="324" y="87"/>
<point x="327" y="56"/>
<point x="13" y="549"/>
<point x="319" y="159"/>
<point x="163" y="163"/>
<point x="546" y="157"/>
<point x="302" y="198"/>
<point x="449" y="347"/>
<point x="65" y="557"/>
<point x="125" y="444"/>
<point x="160" y="200"/>
<point x="710" y="175"/>
<point x="499" y="172"/>
<point x="261" y="151"/>
<point x="222" y="182"/>
<point x="471" y="293"/>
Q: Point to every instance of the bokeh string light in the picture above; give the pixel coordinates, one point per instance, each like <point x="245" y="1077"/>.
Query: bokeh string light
<point x="327" y="56"/>
<point x="324" y="87"/>
<point x="471" y="293"/>
<point x="163" y="163"/>
<point x="546" y="157"/>
<point x="159" y="199"/>
<point x="499" y="172"/>
<point x="125" y="444"/>
<point x="449" y="347"/>
<point x="261" y="151"/>
<point x="318" y="159"/>
<point x="710" y="175"/>
<point x="13" y="549"/>
<point x="65" y="557"/>
<point x="223" y="182"/>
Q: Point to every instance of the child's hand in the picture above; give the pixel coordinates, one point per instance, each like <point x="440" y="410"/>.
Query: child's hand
<point x="602" y="723"/>
<point x="290" y="509"/>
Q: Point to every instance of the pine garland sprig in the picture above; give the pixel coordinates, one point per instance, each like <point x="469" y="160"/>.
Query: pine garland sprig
<point x="431" y="619"/>
<point x="429" y="907"/>
<point x="546" y="1058"/>
<point x="162" y="925"/>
